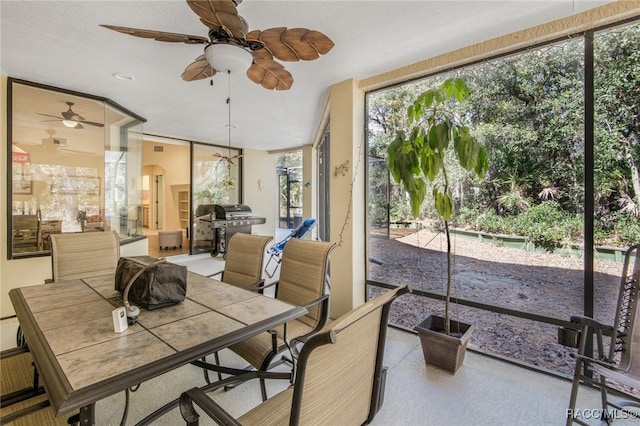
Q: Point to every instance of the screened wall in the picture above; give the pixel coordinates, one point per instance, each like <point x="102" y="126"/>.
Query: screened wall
<point x="540" y="237"/>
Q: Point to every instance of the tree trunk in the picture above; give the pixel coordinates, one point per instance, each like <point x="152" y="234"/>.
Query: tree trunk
<point x="447" y="298"/>
<point x="635" y="176"/>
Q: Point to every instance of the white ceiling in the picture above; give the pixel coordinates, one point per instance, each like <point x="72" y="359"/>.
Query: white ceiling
<point x="60" y="43"/>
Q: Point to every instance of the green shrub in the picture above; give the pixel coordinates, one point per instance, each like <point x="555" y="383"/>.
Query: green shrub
<point x="465" y="217"/>
<point x="400" y="213"/>
<point x="547" y="226"/>
<point x="617" y="229"/>
<point x="492" y="223"/>
<point x="627" y="230"/>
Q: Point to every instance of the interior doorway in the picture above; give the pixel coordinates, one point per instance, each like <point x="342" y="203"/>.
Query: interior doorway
<point x="165" y="172"/>
<point x="153" y="197"/>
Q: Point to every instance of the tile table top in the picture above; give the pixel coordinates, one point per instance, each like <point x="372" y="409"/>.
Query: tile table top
<point x="81" y="359"/>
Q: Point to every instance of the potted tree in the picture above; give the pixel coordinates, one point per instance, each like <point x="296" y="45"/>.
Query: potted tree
<point x="437" y="136"/>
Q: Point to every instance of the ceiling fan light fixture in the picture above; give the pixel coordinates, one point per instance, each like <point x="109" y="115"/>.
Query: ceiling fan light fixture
<point x="227" y="57"/>
<point x="230" y="45"/>
<point x="70" y="123"/>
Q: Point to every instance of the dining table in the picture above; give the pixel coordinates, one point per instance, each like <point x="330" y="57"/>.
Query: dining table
<point x="69" y="330"/>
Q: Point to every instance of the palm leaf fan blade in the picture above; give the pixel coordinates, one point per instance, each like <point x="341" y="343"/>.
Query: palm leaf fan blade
<point x="198" y="70"/>
<point x="159" y="35"/>
<point x="295" y="39"/>
<point x="270" y="75"/>
<point x="256" y="72"/>
<point x="319" y="41"/>
<point x="262" y="54"/>
<point x="273" y="39"/>
<point x="218" y="13"/>
<point x="92" y="123"/>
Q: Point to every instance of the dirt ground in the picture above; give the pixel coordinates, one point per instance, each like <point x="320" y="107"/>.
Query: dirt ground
<point x="536" y="282"/>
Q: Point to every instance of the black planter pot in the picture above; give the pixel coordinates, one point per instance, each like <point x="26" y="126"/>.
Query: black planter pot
<point x="442" y="351"/>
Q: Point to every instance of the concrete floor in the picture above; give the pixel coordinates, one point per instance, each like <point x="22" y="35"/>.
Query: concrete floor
<point x="485" y="391"/>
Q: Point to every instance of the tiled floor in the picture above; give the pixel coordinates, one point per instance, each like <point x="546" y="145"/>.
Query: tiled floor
<point x="485" y="391"/>
<point x="154" y="247"/>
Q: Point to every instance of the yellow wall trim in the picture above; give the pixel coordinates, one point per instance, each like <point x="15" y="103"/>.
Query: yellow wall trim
<point x="578" y="23"/>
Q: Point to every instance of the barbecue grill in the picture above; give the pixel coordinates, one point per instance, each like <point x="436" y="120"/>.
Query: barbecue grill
<point x="219" y="222"/>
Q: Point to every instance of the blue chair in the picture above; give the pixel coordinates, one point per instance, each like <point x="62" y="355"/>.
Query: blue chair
<point x="275" y="251"/>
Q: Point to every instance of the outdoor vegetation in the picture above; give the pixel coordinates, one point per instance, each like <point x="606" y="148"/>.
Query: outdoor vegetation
<point x="554" y="177"/>
<point x="216" y="173"/>
<point x="528" y="111"/>
<point x="289" y="170"/>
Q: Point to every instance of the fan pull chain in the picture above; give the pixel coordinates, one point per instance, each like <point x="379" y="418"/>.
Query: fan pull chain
<point x="229" y="108"/>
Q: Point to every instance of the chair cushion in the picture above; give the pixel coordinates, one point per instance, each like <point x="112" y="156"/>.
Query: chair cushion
<point x="245" y="256"/>
<point x="17" y="374"/>
<point x="255" y="349"/>
<point x="81" y="255"/>
<point x="295" y="329"/>
<point x="274" y="411"/>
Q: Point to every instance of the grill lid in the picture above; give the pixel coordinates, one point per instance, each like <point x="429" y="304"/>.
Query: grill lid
<point x="231" y="211"/>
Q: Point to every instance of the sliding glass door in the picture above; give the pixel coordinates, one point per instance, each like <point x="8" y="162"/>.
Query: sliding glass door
<point x="215" y="179"/>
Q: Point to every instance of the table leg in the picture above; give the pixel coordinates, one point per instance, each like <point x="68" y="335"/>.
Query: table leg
<point x="87" y="415"/>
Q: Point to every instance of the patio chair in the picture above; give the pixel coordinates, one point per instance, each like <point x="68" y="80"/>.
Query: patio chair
<point x="242" y="268"/>
<point x="338" y="381"/>
<point x="620" y="362"/>
<point x="275" y="251"/>
<point x="245" y="257"/>
<point x="80" y="255"/>
<point x="23" y="400"/>
<point x="304" y="281"/>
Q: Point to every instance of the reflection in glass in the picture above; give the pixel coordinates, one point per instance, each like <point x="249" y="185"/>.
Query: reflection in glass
<point x="71" y="155"/>
<point x="216" y="180"/>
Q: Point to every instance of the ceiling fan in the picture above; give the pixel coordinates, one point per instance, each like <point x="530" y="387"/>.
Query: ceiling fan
<point x="230" y="44"/>
<point x="70" y="119"/>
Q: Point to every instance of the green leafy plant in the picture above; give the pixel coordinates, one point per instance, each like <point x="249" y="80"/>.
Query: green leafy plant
<point x="548" y="226"/>
<point x="435" y="128"/>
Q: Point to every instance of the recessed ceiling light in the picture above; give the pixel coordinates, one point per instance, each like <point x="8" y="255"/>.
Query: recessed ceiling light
<point x="122" y="76"/>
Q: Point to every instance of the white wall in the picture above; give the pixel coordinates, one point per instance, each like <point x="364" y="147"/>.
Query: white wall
<point x="260" y="188"/>
<point x="175" y="179"/>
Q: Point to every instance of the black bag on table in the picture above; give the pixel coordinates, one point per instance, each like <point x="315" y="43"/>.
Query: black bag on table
<point x="159" y="283"/>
